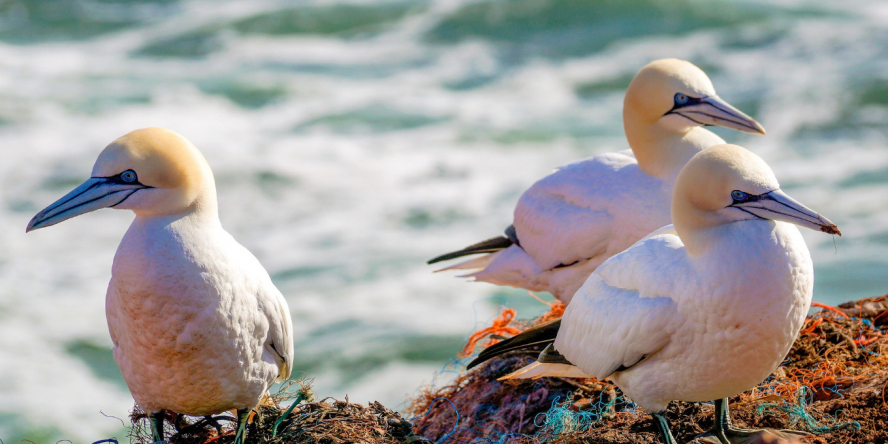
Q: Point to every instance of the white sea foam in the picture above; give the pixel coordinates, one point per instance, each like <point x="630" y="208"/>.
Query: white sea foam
<point x="375" y="153"/>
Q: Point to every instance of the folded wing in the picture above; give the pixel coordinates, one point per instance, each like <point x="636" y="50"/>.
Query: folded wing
<point x="624" y="312"/>
<point x="598" y="206"/>
<point x="279" y="342"/>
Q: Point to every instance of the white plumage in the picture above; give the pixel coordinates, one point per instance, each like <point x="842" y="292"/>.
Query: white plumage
<point x="197" y="325"/>
<point x="569" y="222"/>
<point x="697" y="311"/>
<point x="711" y="325"/>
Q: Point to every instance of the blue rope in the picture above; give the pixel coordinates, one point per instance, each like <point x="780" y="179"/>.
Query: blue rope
<point x="559" y="419"/>
<point x="431" y="404"/>
<point x="797" y="414"/>
<point x="503" y="303"/>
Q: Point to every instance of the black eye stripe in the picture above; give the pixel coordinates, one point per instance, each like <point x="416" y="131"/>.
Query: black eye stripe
<point x="691" y="101"/>
<point x="748" y="198"/>
<point x="743" y="197"/>
<point x="126" y="177"/>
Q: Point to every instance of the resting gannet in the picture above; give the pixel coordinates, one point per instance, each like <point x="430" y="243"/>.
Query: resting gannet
<point x="569" y="222"/>
<point x="197" y="325"/>
<point x="699" y="310"/>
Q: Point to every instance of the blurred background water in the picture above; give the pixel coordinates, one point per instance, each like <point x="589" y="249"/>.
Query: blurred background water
<point x="351" y="141"/>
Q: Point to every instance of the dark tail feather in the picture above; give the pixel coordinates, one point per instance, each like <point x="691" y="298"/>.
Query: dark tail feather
<point x="551" y="356"/>
<point x="491" y="245"/>
<point x="541" y="334"/>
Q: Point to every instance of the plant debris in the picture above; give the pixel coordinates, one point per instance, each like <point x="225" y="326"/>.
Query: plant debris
<point x="327" y="421"/>
<point x="831" y="384"/>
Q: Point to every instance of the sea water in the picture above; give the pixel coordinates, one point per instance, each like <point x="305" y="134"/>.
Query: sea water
<point x="352" y="141"/>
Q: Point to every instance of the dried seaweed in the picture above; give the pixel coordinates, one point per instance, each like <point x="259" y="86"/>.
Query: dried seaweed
<point x="327" y="421"/>
<point x="832" y="383"/>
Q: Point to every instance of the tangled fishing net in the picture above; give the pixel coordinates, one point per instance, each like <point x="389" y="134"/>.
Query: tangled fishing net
<point x="327" y="421"/>
<point x="831" y="384"/>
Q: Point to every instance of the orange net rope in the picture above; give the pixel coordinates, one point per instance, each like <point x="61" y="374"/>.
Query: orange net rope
<point x="500" y="328"/>
<point x="556" y="310"/>
<point x="835" y="350"/>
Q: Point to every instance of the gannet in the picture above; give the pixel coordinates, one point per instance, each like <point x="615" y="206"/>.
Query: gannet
<point x="197" y="325"/>
<point x="569" y="222"/>
<point x="699" y="310"/>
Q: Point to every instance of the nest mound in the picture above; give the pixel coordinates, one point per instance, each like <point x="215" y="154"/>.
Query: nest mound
<point x="328" y="421"/>
<point x="831" y="384"/>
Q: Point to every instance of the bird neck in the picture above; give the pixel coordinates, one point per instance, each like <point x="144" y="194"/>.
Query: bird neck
<point x="661" y="151"/>
<point x="198" y="200"/>
<point x="205" y="206"/>
<point x="203" y="213"/>
<point x="703" y="232"/>
<point x="698" y="229"/>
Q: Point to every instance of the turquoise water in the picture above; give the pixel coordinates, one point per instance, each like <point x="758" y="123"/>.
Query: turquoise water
<point x="353" y="141"/>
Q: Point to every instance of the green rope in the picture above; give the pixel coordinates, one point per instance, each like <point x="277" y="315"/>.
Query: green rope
<point x="300" y="396"/>
<point x="797" y="414"/>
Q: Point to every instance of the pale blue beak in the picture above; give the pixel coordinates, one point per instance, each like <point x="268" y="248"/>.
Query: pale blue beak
<point x="95" y="193"/>
<point x="777" y="205"/>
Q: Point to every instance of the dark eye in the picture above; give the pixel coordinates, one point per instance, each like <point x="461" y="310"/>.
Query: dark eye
<point x="738" y="195"/>
<point x="128" y="176"/>
<point x="681" y="99"/>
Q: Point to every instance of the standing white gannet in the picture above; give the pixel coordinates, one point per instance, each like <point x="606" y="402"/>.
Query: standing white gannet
<point x="569" y="222"/>
<point x="701" y="310"/>
<point x="197" y="325"/>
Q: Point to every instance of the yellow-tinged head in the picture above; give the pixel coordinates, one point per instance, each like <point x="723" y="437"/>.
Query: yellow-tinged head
<point x="162" y="158"/>
<point x="727" y="183"/>
<point x="152" y="171"/>
<point x="679" y="96"/>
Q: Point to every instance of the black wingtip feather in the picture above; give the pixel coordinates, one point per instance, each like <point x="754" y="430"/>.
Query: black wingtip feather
<point x="491" y="245"/>
<point x="541" y="334"/>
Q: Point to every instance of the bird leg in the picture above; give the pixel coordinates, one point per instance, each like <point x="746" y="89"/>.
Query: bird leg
<point x="724" y="432"/>
<point x="242" y="416"/>
<point x="213" y="422"/>
<point x="612" y="401"/>
<point x="157" y="426"/>
<point x="663" y="427"/>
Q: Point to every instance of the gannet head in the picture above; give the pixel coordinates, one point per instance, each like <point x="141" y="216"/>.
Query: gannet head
<point x="152" y="171"/>
<point x="678" y="96"/>
<point x="727" y="183"/>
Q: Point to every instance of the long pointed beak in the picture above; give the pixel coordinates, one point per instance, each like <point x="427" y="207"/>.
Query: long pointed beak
<point x="716" y="112"/>
<point x="777" y="205"/>
<point x="95" y="193"/>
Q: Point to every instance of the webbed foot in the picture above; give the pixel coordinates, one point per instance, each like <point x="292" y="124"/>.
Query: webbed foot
<point x="751" y="436"/>
<point x="242" y="416"/>
<point x="723" y="432"/>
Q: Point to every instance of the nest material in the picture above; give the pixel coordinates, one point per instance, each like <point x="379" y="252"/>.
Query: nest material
<point x="324" y="422"/>
<point x="831" y="383"/>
